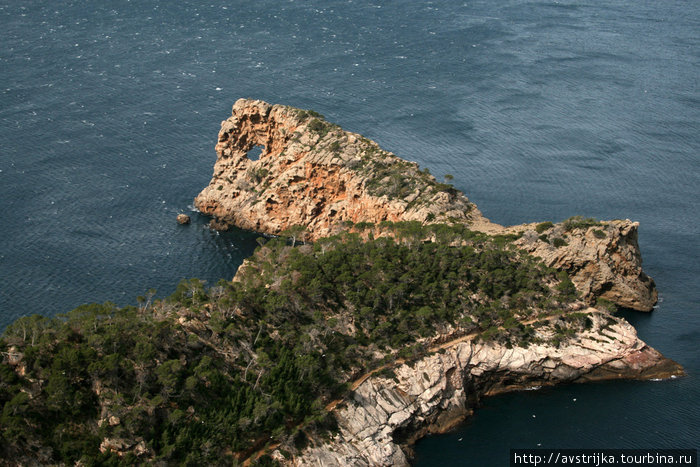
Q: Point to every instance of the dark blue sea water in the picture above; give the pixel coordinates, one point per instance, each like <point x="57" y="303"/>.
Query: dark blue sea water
<point x="540" y="109"/>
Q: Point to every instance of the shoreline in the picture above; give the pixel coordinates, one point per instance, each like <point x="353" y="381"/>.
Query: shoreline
<point x="383" y="418"/>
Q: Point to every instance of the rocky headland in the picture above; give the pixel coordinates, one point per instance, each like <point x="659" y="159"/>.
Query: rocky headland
<point x="385" y="414"/>
<point x="312" y="179"/>
<point x="385" y="309"/>
<point x="314" y="175"/>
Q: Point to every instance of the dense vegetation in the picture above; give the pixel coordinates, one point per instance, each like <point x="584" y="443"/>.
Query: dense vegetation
<point x="210" y="375"/>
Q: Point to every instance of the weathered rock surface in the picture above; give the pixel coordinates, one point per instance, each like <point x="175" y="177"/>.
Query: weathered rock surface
<point x="602" y="261"/>
<point x="314" y="179"/>
<point x="313" y="174"/>
<point x="433" y="394"/>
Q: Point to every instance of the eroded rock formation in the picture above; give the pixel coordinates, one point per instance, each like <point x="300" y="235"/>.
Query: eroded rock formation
<point x="318" y="179"/>
<point x="603" y="261"/>
<point x="313" y="175"/>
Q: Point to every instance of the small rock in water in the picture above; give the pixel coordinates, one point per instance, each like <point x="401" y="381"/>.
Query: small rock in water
<point x="183" y="219"/>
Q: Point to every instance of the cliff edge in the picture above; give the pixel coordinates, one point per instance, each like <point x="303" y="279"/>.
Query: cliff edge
<point x="387" y="413"/>
<point x="312" y="180"/>
<point x="314" y="174"/>
<point x="343" y="351"/>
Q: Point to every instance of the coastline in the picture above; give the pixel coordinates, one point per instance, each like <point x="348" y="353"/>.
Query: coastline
<point x="602" y="258"/>
<point x="526" y="306"/>
<point x="385" y="416"/>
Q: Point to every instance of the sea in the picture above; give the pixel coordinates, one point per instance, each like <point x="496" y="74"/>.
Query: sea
<point x="109" y="113"/>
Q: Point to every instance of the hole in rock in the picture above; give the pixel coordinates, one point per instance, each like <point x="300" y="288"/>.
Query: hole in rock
<point x="254" y="154"/>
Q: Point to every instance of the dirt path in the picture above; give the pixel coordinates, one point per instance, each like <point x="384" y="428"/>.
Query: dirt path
<point x="359" y="381"/>
<point x="445" y="345"/>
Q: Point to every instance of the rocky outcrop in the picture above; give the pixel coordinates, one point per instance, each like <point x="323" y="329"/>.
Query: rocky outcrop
<point x="316" y="179"/>
<point x="387" y="413"/>
<point x="603" y="260"/>
<point x="313" y="174"/>
<point x="313" y="179"/>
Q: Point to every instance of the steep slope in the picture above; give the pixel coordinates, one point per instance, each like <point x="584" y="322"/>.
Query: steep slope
<point x="602" y="259"/>
<point x="339" y="352"/>
<point x="313" y="173"/>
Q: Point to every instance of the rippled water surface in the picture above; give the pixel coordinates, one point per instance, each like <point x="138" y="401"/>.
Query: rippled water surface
<point x="109" y="113"/>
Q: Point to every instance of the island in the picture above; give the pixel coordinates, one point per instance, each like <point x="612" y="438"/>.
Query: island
<point x="381" y="305"/>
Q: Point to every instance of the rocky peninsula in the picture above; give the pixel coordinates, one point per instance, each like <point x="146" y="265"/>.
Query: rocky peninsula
<point x="384" y="309"/>
<point x="313" y="177"/>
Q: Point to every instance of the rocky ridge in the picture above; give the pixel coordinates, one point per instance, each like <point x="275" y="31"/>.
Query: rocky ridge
<point x="548" y="337"/>
<point x="319" y="179"/>
<point x="602" y="260"/>
<point x="386" y="413"/>
<point x="312" y="173"/>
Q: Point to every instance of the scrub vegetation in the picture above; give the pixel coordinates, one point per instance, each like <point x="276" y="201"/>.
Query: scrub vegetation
<point x="213" y="374"/>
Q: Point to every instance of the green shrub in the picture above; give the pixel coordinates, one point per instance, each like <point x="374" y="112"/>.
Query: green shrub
<point x="605" y="304"/>
<point x="580" y="222"/>
<point x="565" y="287"/>
<point x="364" y="225"/>
<point x="502" y="239"/>
<point x="259" y="174"/>
<point x="559" y="242"/>
<point x="446" y="187"/>
<point x="599" y="233"/>
<point x="543" y="226"/>
<point x="317" y="126"/>
<point x="304" y="114"/>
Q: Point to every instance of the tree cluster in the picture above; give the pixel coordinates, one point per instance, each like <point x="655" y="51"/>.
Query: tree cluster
<point x="212" y="374"/>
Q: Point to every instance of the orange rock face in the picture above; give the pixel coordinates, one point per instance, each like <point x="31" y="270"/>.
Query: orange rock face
<point x="313" y="174"/>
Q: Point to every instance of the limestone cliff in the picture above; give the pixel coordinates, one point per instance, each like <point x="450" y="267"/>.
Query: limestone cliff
<point x="385" y="414"/>
<point x="313" y="175"/>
